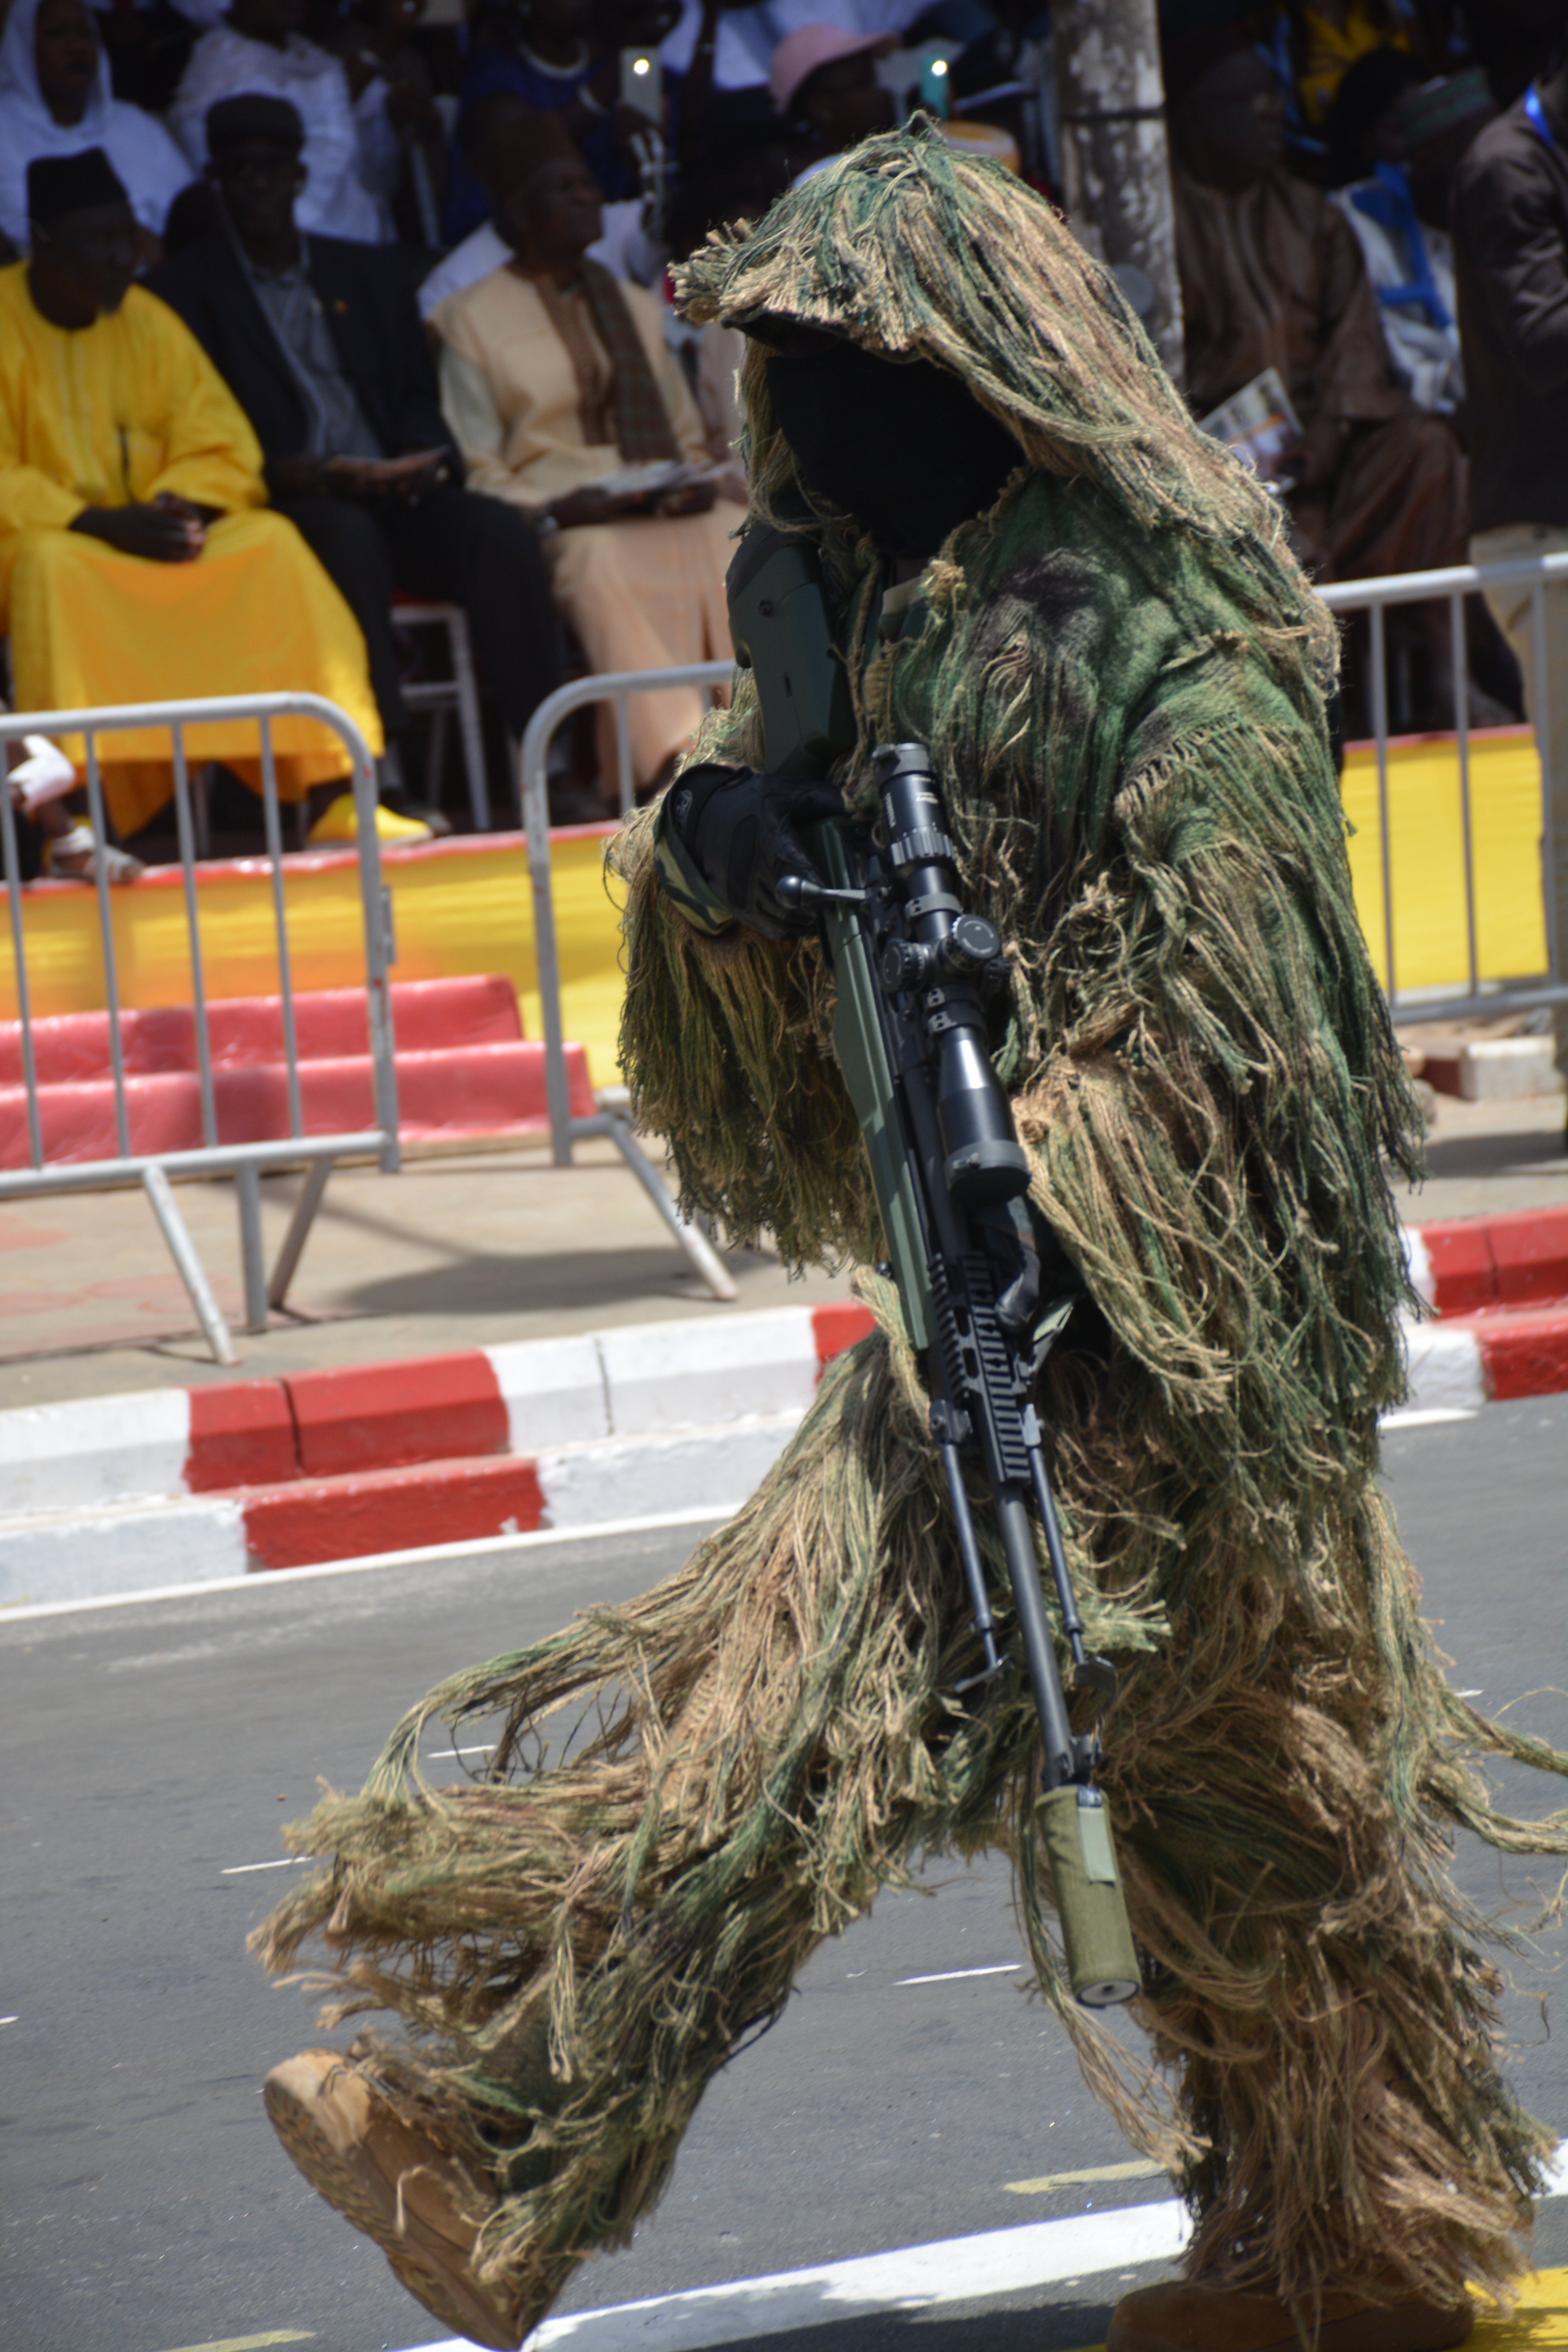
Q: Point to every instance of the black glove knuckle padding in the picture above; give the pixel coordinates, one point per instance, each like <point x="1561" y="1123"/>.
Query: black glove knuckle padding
<point x="743" y="831"/>
<point x="736" y="889"/>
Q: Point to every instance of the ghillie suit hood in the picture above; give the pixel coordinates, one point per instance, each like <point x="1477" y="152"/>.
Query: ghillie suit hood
<point x="916" y="253"/>
<point x="1120" y="672"/>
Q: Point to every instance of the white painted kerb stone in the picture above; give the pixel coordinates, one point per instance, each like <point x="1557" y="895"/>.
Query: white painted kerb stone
<point x="96" y="1450"/>
<point x="708" y="1470"/>
<point x="554" y="1391"/>
<point x="1445" y="1369"/>
<point x="90" y="1555"/>
<point x="666" y="1376"/>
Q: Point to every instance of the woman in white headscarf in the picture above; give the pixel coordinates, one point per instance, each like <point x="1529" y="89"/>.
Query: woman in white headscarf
<point x="55" y="100"/>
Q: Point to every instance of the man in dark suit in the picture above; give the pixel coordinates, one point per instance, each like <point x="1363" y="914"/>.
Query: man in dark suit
<point x="320" y="340"/>
<point x="1510" y="259"/>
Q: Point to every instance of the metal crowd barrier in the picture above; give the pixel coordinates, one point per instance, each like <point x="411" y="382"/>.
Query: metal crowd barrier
<point x="245" y="1161"/>
<point x="1372" y="597"/>
<point x="533" y="785"/>
<point x="1375" y="597"/>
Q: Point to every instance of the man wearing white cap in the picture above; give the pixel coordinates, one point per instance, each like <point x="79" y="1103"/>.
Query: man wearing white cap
<point x="740" y="42"/>
<point x="825" y="78"/>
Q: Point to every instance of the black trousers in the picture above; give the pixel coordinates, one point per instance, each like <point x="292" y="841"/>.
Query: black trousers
<point x="455" y="547"/>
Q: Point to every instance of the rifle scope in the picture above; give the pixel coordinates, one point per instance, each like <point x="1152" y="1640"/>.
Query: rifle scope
<point x="944" y="955"/>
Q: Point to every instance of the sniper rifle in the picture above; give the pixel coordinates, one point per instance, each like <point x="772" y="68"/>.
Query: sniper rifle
<point x="950" y="1177"/>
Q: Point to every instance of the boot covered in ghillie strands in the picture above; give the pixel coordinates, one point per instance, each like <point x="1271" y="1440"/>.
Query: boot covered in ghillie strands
<point x="1120" y="672"/>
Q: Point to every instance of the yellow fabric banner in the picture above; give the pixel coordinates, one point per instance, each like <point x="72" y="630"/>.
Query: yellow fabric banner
<point x="465" y="904"/>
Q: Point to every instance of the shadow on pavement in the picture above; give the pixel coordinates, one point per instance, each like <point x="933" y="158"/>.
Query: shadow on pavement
<point x="1066" y="2324"/>
<point x="604" y="1280"/>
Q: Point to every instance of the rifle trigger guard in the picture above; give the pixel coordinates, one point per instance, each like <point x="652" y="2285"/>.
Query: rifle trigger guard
<point x="1098" y="1675"/>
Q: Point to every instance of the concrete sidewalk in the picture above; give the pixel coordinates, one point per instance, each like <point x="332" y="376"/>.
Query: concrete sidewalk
<point x="485" y="1249"/>
<point x="452" y="1253"/>
<point x="489" y="1346"/>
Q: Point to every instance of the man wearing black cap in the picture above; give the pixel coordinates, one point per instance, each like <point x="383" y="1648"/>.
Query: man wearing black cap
<point x="135" y="565"/>
<point x="319" y="340"/>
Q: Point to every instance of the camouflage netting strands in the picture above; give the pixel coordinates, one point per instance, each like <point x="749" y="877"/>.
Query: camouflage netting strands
<point x="1120" y="672"/>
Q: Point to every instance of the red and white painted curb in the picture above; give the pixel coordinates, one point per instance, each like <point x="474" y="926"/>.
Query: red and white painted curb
<point x="1470" y="1266"/>
<point x="1498" y="1287"/>
<point x="116" y="1495"/>
<point x="119" y="1494"/>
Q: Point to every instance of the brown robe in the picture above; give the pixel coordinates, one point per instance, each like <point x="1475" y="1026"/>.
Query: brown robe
<point x="1273" y="278"/>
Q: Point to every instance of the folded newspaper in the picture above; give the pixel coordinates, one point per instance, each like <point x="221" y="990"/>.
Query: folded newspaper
<point x="1259" y="423"/>
<point x="661" y="474"/>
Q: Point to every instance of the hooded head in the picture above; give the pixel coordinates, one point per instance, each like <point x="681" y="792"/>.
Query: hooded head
<point x="911" y="251"/>
<point x="24" y="110"/>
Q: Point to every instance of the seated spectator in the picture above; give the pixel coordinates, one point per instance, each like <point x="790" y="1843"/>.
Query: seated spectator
<point x="1357" y="131"/>
<point x="824" y="84"/>
<point x="55" y="101"/>
<point x="555" y="377"/>
<point x="1272" y="277"/>
<point x="1331" y="36"/>
<point x="375" y="38"/>
<point x="1512" y="41"/>
<point x="134" y="565"/>
<point x="147" y="43"/>
<point x="1412" y="137"/>
<point x="560" y="57"/>
<point x="351" y="144"/>
<point x="52" y="839"/>
<point x="492" y="133"/>
<point x="320" y="341"/>
<point x="1511" y="250"/>
<point x="736" y="188"/>
<point x="718" y="57"/>
<point x="1008" y="77"/>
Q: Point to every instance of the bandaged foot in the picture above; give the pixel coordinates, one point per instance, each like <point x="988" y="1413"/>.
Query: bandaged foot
<point x="1187" y="2316"/>
<point x="421" y="2206"/>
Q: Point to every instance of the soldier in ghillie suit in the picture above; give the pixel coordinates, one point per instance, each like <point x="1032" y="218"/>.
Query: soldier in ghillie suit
<point x="1038" y="568"/>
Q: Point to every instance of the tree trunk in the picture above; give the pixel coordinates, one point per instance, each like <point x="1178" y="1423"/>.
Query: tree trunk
<point x="1115" y="158"/>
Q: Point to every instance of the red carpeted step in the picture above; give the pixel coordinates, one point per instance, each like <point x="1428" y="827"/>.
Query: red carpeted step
<point x="428" y="1016"/>
<point x="459" y="1090"/>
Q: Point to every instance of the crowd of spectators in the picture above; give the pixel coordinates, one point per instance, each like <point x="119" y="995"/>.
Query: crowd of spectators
<point x="313" y="304"/>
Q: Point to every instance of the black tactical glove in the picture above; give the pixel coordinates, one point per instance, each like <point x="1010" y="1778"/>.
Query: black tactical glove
<point x="737" y="834"/>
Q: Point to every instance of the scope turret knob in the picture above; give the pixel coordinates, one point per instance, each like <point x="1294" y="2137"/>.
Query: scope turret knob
<point x="904" y="964"/>
<point x="971" y="945"/>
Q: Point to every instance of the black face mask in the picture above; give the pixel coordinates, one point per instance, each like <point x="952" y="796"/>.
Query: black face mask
<point x="899" y="444"/>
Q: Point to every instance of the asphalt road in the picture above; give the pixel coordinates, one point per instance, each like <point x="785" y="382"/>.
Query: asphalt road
<point x="148" y="1751"/>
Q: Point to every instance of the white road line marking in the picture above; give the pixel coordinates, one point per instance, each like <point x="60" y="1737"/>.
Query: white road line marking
<point x="289" y="1862"/>
<point x="954" y="2270"/>
<point x="916" y="2278"/>
<point x="952" y="1975"/>
<point x="10" y="2020"/>
<point x="253" y="2343"/>
<point x="1138" y="2171"/>
<point x="263" y="1578"/>
<point x="1421" y="1416"/>
<point x="437" y="1754"/>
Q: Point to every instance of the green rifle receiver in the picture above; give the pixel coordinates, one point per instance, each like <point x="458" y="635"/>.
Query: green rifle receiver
<point x="948" y="1169"/>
